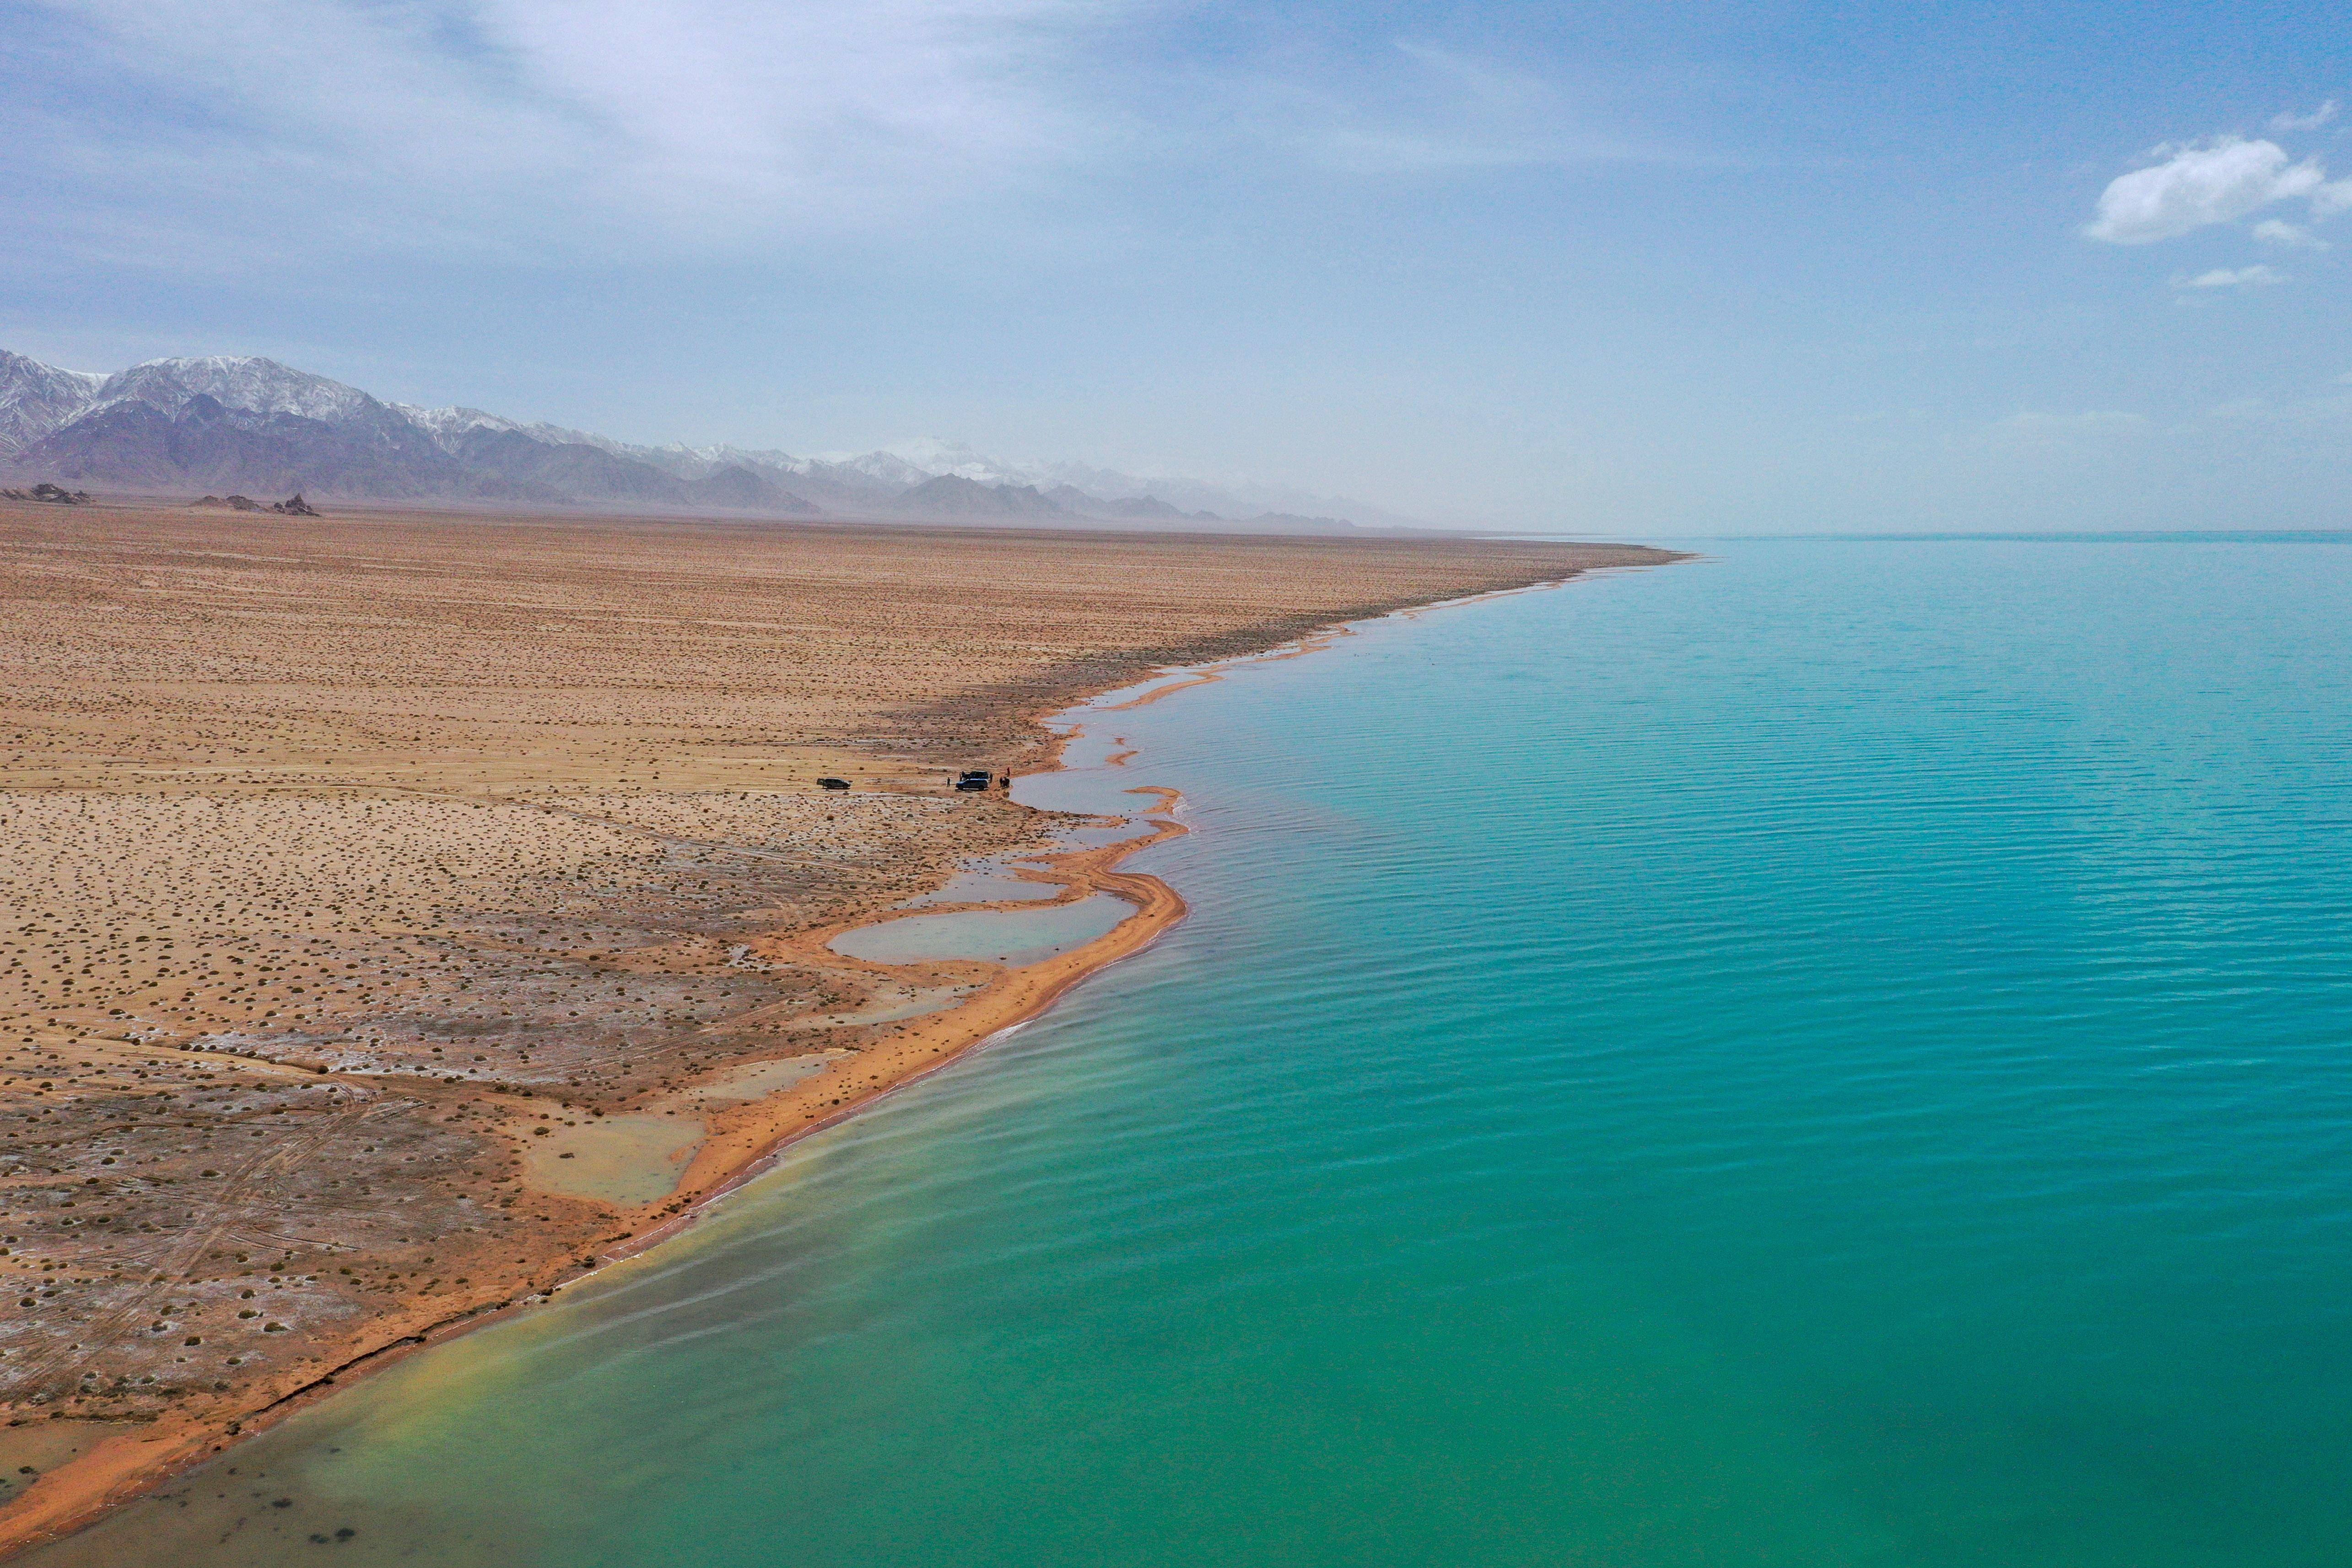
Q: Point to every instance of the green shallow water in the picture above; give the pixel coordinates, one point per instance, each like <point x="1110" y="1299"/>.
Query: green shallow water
<point x="1015" y="937"/>
<point x="1838" y="1053"/>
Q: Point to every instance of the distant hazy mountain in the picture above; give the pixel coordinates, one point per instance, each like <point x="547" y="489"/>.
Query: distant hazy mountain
<point x="953" y="496"/>
<point x="1153" y="506"/>
<point x="203" y="445"/>
<point x="1198" y="499"/>
<point x="232" y="423"/>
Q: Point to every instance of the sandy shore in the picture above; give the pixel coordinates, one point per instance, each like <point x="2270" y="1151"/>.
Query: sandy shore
<point x="740" y="1144"/>
<point x="402" y="915"/>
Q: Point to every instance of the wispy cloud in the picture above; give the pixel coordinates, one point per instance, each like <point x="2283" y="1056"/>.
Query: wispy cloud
<point x="2328" y="405"/>
<point x="2255" y="276"/>
<point x="622" y="130"/>
<point x="512" y="121"/>
<point x="2278" y="232"/>
<point x="2291" y="121"/>
<point x="1439" y="109"/>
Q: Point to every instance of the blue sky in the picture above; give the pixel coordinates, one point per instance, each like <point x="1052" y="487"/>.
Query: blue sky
<point x="1635" y="268"/>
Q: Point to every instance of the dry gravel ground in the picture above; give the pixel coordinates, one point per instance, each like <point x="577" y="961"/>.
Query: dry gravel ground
<point x="340" y="858"/>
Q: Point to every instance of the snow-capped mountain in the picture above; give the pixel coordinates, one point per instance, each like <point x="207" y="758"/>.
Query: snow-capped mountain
<point x="257" y="386"/>
<point x="446" y="425"/>
<point x="36" y="399"/>
<point x="889" y="468"/>
<point x="235" y="422"/>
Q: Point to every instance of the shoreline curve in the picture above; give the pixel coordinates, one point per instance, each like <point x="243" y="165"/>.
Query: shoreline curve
<point x="744" y="1144"/>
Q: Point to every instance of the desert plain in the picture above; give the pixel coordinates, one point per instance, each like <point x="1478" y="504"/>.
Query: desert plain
<point x="400" y="912"/>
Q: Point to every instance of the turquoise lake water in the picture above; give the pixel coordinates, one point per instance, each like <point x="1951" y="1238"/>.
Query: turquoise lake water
<point x="1836" y="1053"/>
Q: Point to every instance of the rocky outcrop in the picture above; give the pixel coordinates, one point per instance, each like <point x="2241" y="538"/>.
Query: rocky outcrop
<point x="53" y="493"/>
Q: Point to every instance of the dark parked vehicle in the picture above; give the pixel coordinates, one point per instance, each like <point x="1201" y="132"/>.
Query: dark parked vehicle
<point x="832" y="783"/>
<point x="972" y="778"/>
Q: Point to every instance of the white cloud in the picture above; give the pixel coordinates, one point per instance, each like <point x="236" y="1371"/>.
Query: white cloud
<point x="2217" y="182"/>
<point x="2255" y="276"/>
<point x="2312" y="121"/>
<point x="2275" y="231"/>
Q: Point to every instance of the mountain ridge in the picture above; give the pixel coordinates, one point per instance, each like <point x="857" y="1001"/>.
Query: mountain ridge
<point x="243" y="422"/>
